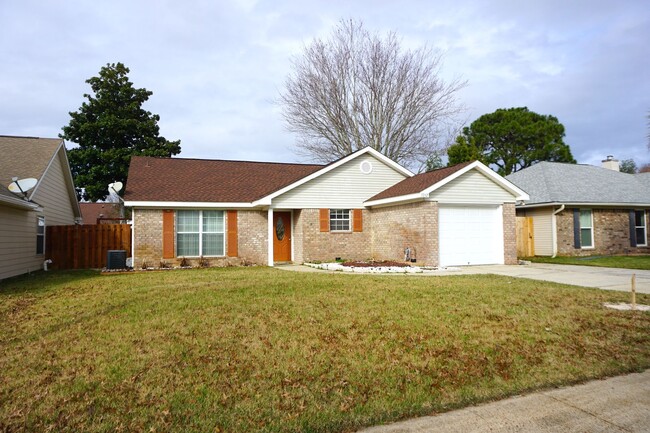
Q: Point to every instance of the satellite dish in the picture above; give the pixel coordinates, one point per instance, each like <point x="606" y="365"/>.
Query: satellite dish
<point x="22" y="186"/>
<point x="115" y="186"/>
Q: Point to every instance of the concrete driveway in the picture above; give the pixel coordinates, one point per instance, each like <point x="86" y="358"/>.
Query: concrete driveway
<point x="620" y="404"/>
<point x="588" y="276"/>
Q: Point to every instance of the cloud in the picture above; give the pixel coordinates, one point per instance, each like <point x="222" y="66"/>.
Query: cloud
<point x="216" y="67"/>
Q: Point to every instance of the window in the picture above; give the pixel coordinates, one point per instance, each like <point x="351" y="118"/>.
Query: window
<point x="586" y="229"/>
<point x="200" y="233"/>
<point x="639" y="227"/>
<point x="339" y="220"/>
<point x="40" y="235"/>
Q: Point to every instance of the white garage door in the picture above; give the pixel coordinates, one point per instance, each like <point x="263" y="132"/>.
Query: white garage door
<point x="470" y="235"/>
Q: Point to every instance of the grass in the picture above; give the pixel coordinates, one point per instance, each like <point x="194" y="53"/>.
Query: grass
<point x="628" y="262"/>
<point x="259" y="349"/>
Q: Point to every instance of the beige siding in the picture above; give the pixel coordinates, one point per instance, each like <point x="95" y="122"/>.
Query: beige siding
<point x="52" y="194"/>
<point x="18" y="242"/>
<point x="344" y="187"/>
<point x="542" y="230"/>
<point x="474" y="188"/>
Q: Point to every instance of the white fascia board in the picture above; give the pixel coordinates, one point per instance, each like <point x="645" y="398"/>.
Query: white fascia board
<point x="394" y="200"/>
<point x="267" y="200"/>
<point x="187" y="205"/>
<point x="68" y="174"/>
<point x="499" y="180"/>
<point x="49" y="164"/>
<point x="585" y="204"/>
<point x="60" y="152"/>
<point x="386" y="160"/>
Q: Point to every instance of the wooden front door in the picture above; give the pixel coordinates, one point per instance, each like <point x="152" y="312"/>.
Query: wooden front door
<point x="281" y="236"/>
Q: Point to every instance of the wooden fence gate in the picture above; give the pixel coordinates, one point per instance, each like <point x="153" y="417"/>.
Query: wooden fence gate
<point x="85" y="246"/>
<point x="525" y="237"/>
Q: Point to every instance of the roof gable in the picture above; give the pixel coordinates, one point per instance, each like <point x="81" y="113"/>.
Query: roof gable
<point x="553" y="182"/>
<point x="25" y="157"/>
<point x="418" y="183"/>
<point x="340" y="162"/>
<point x="422" y="185"/>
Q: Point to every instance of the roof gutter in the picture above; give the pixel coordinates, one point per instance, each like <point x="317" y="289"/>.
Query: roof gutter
<point x="20" y="203"/>
<point x="188" y="205"/>
<point x="584" y="204"/>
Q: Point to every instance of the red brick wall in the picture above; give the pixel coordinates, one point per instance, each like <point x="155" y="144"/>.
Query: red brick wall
<point x="252" y="236"/>
<point x="413" y="225"/>
<point x="509" y="234"/>
<point x="147" y="234"/>
<point x="611" y="233"/>
<point x="310" y="244"/>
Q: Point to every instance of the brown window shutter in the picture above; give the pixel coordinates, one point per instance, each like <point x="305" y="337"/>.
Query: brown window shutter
<point x="357" y="220"/>
<point x="324" y="220"/>
<point x="232" y="234"/>
<point x="168" y="234"/>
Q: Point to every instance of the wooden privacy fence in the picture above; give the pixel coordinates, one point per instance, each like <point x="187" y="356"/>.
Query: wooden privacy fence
<point x="85" y="246"/>
<point x="525" y="237"/>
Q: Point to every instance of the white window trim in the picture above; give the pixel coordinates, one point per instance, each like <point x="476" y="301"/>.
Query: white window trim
<point x="38" y="219"/>
<point x="591" y="228"/>
<point x="200" y="232"/>
<point x="644" y="226"/>
<point x="349" y="220"/>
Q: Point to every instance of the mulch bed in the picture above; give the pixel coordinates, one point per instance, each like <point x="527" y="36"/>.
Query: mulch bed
<point x="375" y="264"/>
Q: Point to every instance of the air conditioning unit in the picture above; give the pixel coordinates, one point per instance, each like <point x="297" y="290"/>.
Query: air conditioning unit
<point x="116" y="259"/>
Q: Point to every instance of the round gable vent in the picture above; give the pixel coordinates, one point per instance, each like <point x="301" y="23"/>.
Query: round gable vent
<point x="365" y="167"/>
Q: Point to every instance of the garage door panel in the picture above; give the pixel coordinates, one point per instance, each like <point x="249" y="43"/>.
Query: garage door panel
<point x="470" y="235"/>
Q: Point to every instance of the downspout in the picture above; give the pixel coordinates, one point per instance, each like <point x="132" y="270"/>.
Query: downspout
<point x="554" y="230"/>
<point x="133" y="238"/>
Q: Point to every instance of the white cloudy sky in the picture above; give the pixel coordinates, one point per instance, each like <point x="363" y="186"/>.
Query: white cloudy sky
<point x="216" y="67"/>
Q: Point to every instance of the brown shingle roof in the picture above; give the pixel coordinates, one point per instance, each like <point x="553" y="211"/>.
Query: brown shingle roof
<point x="202" y="180"/>
<point x="25" y="157"/>
<point x="90" y="212"/>
<point x="419" y="182"/>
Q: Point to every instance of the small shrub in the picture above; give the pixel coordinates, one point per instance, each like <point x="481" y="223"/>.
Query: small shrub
<point x="184" y="263"/>
<point x="144" y="265"/>
<point x="203" y="262"/>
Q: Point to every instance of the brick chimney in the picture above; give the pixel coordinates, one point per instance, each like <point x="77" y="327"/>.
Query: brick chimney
<point x="611" y="163"/>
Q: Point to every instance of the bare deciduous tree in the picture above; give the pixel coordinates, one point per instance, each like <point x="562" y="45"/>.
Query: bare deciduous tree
<point x="357" y="89"/>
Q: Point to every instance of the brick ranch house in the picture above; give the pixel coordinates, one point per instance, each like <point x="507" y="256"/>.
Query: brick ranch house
<point x="581" y="210"/>
<point x="363" y="206"/>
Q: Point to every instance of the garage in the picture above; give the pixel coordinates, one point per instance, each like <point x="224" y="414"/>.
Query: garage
<point x="470" y="235"/>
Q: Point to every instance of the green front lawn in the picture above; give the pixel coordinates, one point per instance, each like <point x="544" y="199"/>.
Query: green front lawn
<point x="628" y="262"/>
<point x="259" y="349"/>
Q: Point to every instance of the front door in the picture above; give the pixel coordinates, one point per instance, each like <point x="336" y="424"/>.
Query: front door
<point x="281" y="236"/>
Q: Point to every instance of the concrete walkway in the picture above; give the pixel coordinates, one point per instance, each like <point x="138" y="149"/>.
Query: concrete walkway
<point x="619" y="404"/>
<point x="587" y="276"/>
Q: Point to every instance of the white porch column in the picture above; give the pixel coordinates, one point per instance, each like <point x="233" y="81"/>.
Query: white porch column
<point x="270" y="236"/>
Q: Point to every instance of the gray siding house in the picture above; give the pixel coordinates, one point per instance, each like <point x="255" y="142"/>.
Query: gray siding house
<point x="581" y="210"/>
<point x="51" y="202"/>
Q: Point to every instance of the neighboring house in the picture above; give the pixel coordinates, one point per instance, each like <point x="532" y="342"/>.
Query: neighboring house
<point x="585" y="210"/>
<point x="363" y="206"/>
<point x="96" y="213"/>
<point x="51" y="202"/>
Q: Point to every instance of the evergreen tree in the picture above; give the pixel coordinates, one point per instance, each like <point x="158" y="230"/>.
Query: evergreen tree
<point x="511" y="139"/>
<point x="111" y="127"/>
